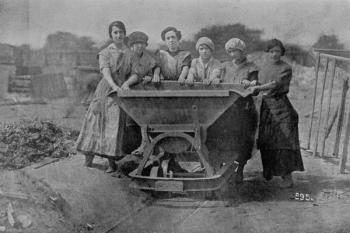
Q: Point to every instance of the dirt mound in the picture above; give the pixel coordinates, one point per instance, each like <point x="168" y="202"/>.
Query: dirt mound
<point x="29" y="141"/>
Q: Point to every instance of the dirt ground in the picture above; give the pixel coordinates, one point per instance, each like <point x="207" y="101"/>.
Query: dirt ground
<point x="66" y="197"/>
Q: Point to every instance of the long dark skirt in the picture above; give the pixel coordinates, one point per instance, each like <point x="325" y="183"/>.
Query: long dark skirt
<point x="279" y="137"/>
<point x="281" y="162"/>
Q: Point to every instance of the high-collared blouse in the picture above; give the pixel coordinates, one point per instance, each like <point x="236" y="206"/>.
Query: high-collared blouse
<point x="200" y="71"/>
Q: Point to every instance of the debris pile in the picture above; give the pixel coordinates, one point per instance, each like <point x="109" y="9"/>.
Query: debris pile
<point x="29" y="141"/>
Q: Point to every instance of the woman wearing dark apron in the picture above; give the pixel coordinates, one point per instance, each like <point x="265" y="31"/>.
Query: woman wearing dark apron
<point x="104" y="123"/>
<point x="278" y="129"/>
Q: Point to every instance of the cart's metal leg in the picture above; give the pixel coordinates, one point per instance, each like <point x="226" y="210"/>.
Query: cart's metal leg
<point x="203" y="154"/>
<point x="146" y="154"/>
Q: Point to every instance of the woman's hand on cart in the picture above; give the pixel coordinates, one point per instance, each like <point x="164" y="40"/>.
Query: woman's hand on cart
<point x="253" y="83"/>
<point x="115" y="88"/>
<point x="147" y="79"/>
<point x="125" y="86"/>
<point x="207" y="81"/>
<point x="156" y="78"/>
<point x="189" y="81"/>
<point x="181" y="80"/>
<point x="245" y="83"/>
<point x="215" y="81"/>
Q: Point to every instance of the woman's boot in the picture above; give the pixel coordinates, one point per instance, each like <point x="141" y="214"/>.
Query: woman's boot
<point x="112" y="167"/>
<point x="88" y="160"/>
<point x="287" y="181"/>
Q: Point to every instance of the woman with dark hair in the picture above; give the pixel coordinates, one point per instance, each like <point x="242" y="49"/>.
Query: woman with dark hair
<point x="278" y="129"/>
<point x="104" y="123"/>
<point x="174" y="62"/>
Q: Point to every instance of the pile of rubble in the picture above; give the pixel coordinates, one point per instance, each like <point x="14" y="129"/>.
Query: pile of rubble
<point x="26" y="142"/>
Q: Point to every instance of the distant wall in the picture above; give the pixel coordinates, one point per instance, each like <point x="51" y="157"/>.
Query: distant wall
<point x="62" y="61"/>
<point x="39" y="86"/>
<point x="6" y="70"/>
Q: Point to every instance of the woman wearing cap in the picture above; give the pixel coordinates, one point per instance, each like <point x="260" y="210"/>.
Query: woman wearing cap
<point x="174" y="62"/>
<point x="278" y="129"/>
<point x="239" y="70"/>
<point x="143" y="63"/>
<point x="205" y="68"/>
<point x="103" y="127"/>
<point x="237" y="137"/>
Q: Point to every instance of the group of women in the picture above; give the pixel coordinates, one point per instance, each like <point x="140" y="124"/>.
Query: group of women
<point x="125" y="62"/>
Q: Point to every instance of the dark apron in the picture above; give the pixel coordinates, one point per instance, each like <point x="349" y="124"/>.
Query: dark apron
<point x="278" y="128"/>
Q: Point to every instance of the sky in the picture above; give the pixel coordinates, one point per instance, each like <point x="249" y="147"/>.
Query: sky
<point x="298" y="21"/>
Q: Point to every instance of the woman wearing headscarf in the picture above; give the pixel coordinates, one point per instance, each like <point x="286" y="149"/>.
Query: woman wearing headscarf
<point x="205" y="68"/>
<point x="104" y="123"/>
<point x="174" y="62"/>
<point x="234" y="133"/>
<point x="278" y="129"/>
<point x="239" y="70"/>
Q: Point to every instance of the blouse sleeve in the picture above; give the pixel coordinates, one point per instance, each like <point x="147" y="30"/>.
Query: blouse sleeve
<point x="283" y="80"/>
<point x="253" y="72"/>
<point x="103" y="59"/>
<point x="156" y="56"/>
<point x="154" y="62"/>
<point x="186" y="60"/>
<point x="192" y="71"/>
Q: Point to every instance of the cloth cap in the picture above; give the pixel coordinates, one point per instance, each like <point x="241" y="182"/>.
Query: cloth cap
<point x="137" y="37"/>
<point x="206" y="41"/>
<point x="235" y="43"/>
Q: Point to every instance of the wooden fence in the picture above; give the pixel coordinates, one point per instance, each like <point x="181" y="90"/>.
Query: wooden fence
<point x="320" y="130"/>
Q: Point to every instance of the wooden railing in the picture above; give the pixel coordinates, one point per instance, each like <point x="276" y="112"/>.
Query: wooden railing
<point x="332" y="60"/>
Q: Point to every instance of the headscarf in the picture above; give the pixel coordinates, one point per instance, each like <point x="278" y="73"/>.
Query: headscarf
<point x="235" y="43"/>
<point x="205" y="41"/>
